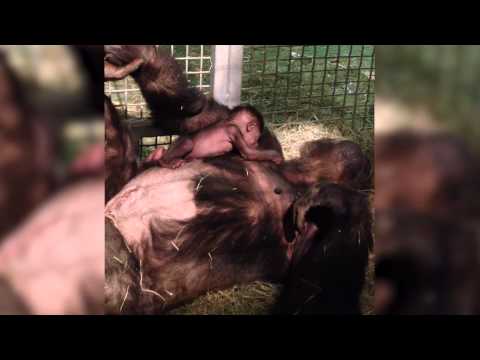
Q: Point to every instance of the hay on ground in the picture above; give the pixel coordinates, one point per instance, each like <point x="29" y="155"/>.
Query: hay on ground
<point x="257" y="298"/>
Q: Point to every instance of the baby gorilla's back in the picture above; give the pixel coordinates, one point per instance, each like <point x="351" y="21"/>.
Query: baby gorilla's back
<point x="211" y="142"/>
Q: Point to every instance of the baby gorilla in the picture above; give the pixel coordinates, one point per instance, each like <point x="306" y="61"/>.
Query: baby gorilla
<point x="241" y="131"/>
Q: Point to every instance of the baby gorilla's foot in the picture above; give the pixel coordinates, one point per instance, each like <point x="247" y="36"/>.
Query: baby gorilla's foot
<point x="155" y="154"/>
<point x="174" y="164"/>
<point x="278" y="159"/>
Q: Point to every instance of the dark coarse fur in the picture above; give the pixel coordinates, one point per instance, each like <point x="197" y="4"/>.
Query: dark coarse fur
<point x="331" y="253"/>
<point x="120" y="158"/>
<point x="121" y="271"/>
<point x="432" y="264"/>
<point x="235" y="238"/>
<point x="239" y="235"/>
<point x="338" y="161"/>
<point x="166" y="90"/>
<point x="211" y="113"/>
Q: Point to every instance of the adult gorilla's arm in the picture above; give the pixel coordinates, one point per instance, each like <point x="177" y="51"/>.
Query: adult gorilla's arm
<point x="176" y="106"/>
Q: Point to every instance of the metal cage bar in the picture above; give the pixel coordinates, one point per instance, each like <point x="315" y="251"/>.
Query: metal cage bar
<point x="227" y="75"/>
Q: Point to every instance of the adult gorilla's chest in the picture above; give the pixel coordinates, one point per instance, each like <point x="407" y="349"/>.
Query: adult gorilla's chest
<point x="205" y="226"/>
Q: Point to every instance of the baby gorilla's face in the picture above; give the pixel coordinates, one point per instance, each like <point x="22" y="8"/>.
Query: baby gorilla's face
<point x="249" y="126"/>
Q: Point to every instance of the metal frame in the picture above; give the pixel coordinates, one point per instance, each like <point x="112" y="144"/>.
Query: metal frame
<point x="227" y="75"/>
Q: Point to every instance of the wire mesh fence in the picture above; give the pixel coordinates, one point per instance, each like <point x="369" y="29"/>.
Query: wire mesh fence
<point x="287" y="83"/>
<point x="317" y="82"/>
<point x="195" y="60"/>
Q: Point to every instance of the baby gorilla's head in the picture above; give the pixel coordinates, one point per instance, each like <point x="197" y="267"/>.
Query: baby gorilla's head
<point x="250" y="122"/>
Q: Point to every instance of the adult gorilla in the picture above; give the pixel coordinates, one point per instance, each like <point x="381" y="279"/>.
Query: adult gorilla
<point x="172" y="235"/>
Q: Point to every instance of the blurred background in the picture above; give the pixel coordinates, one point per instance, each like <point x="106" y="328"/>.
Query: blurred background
<point x="427" y="106"/>
<point x="55" y="82"/>
<point x="427" y="249"/>
<point x="51" y="179"/>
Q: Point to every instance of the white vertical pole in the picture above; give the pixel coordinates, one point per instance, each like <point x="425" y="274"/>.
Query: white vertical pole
<point x="227" y="74"/>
